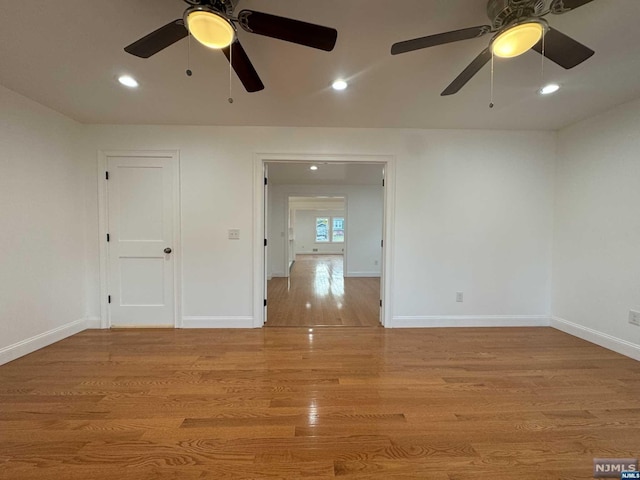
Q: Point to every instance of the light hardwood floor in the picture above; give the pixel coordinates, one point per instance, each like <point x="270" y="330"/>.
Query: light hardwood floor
<point x="317" y="294"/>
<point x="352" y="403"/>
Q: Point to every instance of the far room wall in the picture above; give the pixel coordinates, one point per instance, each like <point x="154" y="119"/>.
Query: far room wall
<point x="364" y="217"/>
<point x="302" y="217"/>
<point x="473" y="213"/>
<point x="304" y="232"/>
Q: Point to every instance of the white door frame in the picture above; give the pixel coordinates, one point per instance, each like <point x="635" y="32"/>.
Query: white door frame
<point x="103" y="215"/>
<point x="259" y="260"/>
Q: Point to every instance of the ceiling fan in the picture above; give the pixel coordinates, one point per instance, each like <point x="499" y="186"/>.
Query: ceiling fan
<point x="518" y="26"/>
<point x="212" y="23"/>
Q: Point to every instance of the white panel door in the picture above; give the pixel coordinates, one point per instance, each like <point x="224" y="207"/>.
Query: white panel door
<point x="141" y="203"/>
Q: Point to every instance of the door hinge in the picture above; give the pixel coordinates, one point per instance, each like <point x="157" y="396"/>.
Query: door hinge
<point x="380" y="302"/>
<point x="265" y="302"/>
<point x="383" y="182"/>
<point x="265" y="180"/>
<point x="381" y="243"/>
<point x="265" y="242"/>
<point x="108" y="298"/>
<point x="108" y="237"/>
<point x="106" y="175"/>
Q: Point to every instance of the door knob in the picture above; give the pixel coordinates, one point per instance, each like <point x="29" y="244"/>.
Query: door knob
<point x="167" y="250"/>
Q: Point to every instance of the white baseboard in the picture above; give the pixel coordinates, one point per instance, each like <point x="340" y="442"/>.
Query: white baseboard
<point x="362" y="274"/>
<point x="41" y="340"/>
<point x="217" y="322"/>
<point x="605" y="340"/>
<point x="427" y="321"/>
<point x="320" y="253"/>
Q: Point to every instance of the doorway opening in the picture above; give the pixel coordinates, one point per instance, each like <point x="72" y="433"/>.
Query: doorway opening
<point x="324" y="249"/>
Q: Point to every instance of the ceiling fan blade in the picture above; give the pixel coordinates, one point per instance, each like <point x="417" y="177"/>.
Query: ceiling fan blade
<point x="563" y="50"/>
<point x="468" y="73"/>
<point x="439" y="39"/>
<point x="289" y="30"/>
<point x="158" y="39"/>
<point x="564" y="6"/>
<point x="243" y="67"/>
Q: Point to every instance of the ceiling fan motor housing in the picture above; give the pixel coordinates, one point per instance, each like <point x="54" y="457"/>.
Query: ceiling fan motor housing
<point x="505" y="12"/>
<point x="222" y="6"/>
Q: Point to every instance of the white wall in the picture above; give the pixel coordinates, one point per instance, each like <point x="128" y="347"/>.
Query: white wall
<point x="42" y="293"/>
<point x="305" y="230"/>
<point x="473" y="214"/>
<point x="596" y="257"/>
<point x="365" y="214"/>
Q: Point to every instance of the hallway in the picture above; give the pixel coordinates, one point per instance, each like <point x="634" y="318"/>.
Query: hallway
<point x="317" y="294"/>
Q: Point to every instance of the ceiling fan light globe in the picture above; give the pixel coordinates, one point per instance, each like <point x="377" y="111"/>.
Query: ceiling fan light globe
<point x="209" y="28"/>
<point x="517" y="40"/>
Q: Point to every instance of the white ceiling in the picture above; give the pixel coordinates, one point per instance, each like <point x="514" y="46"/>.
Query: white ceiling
<point x="327" y="174"/>
<point x="66" y="54"/>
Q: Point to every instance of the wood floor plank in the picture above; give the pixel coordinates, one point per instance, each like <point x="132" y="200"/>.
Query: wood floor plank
<point x="338" y="402"/>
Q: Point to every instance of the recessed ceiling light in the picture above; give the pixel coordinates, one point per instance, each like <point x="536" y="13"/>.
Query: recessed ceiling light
<point x="128" y="81"/>
<point x="313" y="167"/>
<point x="339" y="85"/>
<point x="548" y="89"/>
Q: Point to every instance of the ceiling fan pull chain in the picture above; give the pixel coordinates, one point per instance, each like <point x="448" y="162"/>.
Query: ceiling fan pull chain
<point x="189" y="72"/>
<point x="542" y="63"/>
<point x="491" y="102"/>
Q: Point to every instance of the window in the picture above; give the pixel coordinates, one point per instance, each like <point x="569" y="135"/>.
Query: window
<point x="337" y="230"/>
<point x="322" y="229"/>
<point x="330" y="230"/>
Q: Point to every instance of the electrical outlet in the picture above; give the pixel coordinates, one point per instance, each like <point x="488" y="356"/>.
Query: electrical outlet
<point x="234" y="234"/>
<point x="634" y="318"/>
<point x="375" y="262"/>
<point x="459" y="297"/>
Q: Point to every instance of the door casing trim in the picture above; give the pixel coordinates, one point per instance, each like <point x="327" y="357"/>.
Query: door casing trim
<point x="389" y="164"/>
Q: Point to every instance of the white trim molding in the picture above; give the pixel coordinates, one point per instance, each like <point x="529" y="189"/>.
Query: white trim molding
<point x="387" y="161"/>
<point x="363" y="274"/>
<point x="30" y="345"/>
<point x="431" y="321"/>
<point x="605" y="340"/>
<point x="217" y="322"/>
